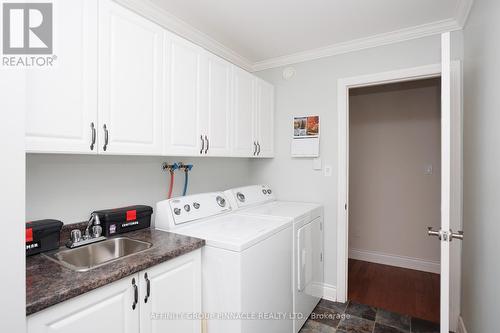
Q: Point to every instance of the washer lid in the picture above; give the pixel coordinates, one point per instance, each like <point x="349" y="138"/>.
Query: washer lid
<point x="235" y="232"/>
<point x="282" y="209"/>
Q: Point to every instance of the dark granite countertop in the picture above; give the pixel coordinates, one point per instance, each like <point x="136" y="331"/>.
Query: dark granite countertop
<point x="48" y="283"/>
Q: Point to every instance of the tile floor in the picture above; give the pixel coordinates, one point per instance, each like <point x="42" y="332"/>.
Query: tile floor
<point x="333" y="317"/>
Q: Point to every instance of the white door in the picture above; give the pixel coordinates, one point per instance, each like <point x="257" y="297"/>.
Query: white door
<point x="130" y="82"/>
<point x="174" y="289"/>
<point x="183" y="135"/>
<point x="107" y="309"/>
<point x="265" y="119"/>
<point x="446" y="234"/>
<point x="243" y="129"/>
<point x="217" y="118"/>
<point x="62" y="104"/>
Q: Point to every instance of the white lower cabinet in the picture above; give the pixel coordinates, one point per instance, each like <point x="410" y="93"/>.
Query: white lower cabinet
<point x="122" y="306"/>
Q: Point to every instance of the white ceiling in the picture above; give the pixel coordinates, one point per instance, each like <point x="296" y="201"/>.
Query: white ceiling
<point x="261" y="30"/>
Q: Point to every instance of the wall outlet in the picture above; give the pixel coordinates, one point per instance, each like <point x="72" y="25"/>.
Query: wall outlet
<point x="328" y="170"/>
<point x="428" y="170"/>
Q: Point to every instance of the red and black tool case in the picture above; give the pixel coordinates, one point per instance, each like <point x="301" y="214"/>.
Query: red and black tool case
<point x="119" y="220"/>
<point x="42" y="236"/>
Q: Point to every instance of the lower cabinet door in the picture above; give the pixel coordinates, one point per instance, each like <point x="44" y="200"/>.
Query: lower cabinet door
<point x="174" y="300"/>
<point x="106" y="309"/>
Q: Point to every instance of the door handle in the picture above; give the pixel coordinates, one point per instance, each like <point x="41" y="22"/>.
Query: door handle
<point x="202" y="144"/>
<point x="432" y="232"/>
<point x="148" y="287"/>
<point x="208" y="145"/>
<point x="457" y="235"/>
<point x="258" y="147"/>
<point x="446" y="235"/>
<point x="92" y="143"/>
<point x="106" y="137"/>
<point x="136" y="294"/>
<point x="254" y="148"/>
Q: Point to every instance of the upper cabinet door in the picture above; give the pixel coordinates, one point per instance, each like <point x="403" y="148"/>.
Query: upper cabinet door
<point x="130" y="82"/>
<point x="62" y="103"/>
<point x="217" y="118"/>
<point x="265" y="119"/>
<point x="183" y="134"/>
<point x="243" y="129"/>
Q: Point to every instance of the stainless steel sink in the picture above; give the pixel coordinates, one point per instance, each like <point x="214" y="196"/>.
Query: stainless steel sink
<point x="90" y="256"/>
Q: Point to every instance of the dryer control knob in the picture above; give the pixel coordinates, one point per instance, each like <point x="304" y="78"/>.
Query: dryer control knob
<point x="196" y="205"/>
<point x="177" y="211"/>
<point x="221" y="201"/>
<point x="240" y="196"/>
<point x="187" y="208"/>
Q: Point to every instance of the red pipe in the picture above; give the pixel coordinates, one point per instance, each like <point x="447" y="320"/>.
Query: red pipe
<point x="171" y="184"/>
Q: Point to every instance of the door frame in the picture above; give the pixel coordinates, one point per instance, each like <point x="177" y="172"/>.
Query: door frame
<point x="408" y="74"/>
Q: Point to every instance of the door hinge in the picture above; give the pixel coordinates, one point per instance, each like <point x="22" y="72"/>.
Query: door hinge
<point x="321" y="226"/>
<point x="321" y="257"/>
<point x="345" y="207"/>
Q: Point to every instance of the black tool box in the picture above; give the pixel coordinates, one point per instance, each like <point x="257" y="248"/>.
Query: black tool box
<point x="42" y="236"/>
<point x="119" y="220"/>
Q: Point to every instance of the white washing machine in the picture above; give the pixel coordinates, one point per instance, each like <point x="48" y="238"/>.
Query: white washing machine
<point x="246" y="263"/>
<point x="308" y="267"/>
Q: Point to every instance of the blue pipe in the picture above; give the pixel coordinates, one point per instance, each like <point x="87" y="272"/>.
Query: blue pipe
<point x="187" y="168"/>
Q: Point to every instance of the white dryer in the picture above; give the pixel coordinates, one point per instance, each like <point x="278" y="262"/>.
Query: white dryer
<point x="308" y="267"/>
<point x="246" y="263"/>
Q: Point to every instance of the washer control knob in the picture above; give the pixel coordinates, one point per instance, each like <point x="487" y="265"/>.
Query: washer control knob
<point x="264" y="191"/>
<point x="177" y="211"/>
<point x="187" y="208"/>
<point x="240" y="196"/>
<point x="196" y="205"/>
<point x="221" y="201"/>
<point x="269" y="191"/>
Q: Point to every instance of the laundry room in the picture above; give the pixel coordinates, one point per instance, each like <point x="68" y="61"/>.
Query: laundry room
<point x="202" y="167"/>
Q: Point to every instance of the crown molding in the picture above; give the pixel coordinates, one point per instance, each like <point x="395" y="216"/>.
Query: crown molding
<point x="361" y="44"/>
<point x="463" y="10"/>
<point x="183" y="29"/>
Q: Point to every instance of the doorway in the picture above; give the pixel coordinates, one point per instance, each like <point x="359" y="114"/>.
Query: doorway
<point x="451" y="159"/>
<point x="394" y="193"/>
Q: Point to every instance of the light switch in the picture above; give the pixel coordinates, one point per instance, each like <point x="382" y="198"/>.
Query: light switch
<point x="317" y="164"/>
<point x="328" y="170"/>
<point x="428" y="170"/>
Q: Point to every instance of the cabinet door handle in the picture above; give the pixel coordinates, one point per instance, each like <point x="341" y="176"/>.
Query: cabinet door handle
<point x="92" y="143"/>
<point x="148" y="287"/>
<point x="202" y="144"/>
<point x="136" y="294"/>
<point x="106" y="137"/>
<point x="258" y="147"/>
<point x="208" y="145"/>
<point x="254" y="148"/>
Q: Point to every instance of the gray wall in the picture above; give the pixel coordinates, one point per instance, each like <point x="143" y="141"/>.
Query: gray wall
<point x="481" y="246"/>
<point x="313" y="90"/>
<point x="394" y="135"/>
<point x="70" y="187"/>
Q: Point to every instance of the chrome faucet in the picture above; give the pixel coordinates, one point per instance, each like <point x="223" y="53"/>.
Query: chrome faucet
<point x="92" y="234"/>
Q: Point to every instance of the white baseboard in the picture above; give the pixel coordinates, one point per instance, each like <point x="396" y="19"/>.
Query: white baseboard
<point x="395" y="260"/>
<point x="461" y="326"/>
<point x="329" y="292"/>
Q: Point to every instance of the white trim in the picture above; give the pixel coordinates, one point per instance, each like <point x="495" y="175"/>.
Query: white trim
<point x="397" y="36"/>
<point x="461" y="325"/>
<point x="329" y="292"/>
<point x="395" y="260"/>
<point x="463" y="10"/>
<point x="181" y="28"/>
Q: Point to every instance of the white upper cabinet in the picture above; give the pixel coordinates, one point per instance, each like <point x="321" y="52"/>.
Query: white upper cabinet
<point x="130" y="82"/>
<point x="62" y="101"/>
<point x="183" y="135"/>
<point x="216" y="116"/>
<point x="124" y="85"/>
<point x="243" y="129"/>
<point x="264" y="129"/>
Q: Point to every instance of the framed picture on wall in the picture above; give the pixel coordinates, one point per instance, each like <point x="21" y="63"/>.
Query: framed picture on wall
<point x="305" y="126"/>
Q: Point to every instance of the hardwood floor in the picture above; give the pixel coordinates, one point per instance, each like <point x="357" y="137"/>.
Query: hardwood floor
<point x="400" y="290"/>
